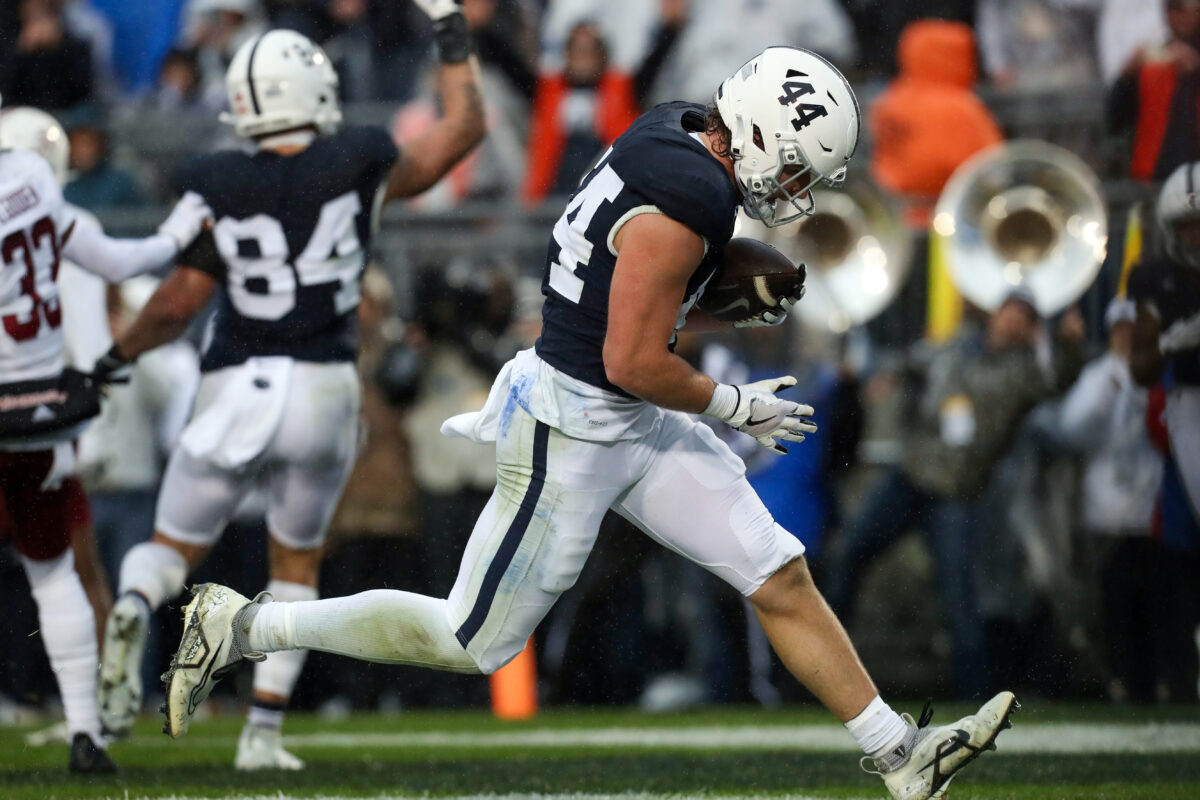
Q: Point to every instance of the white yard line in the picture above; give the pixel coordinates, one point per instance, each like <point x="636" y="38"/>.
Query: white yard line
<point x="1025" y="737"/>
<point x="631" y="796"/>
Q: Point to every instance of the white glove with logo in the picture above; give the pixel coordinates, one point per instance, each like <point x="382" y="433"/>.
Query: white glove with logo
<point x="755" y="409"/>
<point x="437" y="9"/>
<point x="774" y="315"/>
<point x="1183" y="335"/>
<point x="186" y="220"/>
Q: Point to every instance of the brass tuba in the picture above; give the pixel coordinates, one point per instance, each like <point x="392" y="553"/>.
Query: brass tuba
<point x="1023" y="213"/>
<point x="856" y="250"/>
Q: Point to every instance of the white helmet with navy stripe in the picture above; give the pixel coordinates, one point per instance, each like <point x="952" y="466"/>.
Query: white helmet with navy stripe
<point x="28" y="128"/>
<point x="1179" y="202"/>
<point x="794" y="122"/>
<point x="280" y="81"/>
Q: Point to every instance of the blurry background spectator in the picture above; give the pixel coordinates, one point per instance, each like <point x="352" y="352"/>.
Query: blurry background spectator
<point x="48" y="66"/>
<point x="216" y="29"/>
<point x="1103" y="418"/>
<point x="178" y="85"/>
<point x="1157" y="97"/>
<point x="95" y="182"/>
<point x="721" y="35"/>
<point x="1126" y="29"/>
<point x="970" y="399"/>
<point x="1037" y="44"/>
<point x="580" y="111"/>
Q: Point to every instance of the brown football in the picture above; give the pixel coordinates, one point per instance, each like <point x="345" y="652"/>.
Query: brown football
<point x="751" y="279"/>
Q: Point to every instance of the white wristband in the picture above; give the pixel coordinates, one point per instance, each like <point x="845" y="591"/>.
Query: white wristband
<point x="724" y="402"/>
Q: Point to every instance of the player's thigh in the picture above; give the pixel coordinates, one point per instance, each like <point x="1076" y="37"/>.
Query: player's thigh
<point x="533" y="537"/>
<point x="197" y="498"/>
<point x="311" y="457"/>
<point x="694" y="499"/>
<point x="38" y="519"/>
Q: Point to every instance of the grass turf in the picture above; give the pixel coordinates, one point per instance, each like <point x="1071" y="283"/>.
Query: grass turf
<point x="200" y="766"/>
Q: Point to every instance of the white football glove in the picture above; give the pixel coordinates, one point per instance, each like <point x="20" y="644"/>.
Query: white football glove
<point x="777" y="313"/>
<point x="1183" y="335"/>
<point x="438" y="9"/>
<point x="186" y="220"/>
<point x="755" y="409"/>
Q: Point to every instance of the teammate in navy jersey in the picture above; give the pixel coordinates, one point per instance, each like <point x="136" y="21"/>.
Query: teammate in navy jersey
<point x="279" y="400"/>
<point x="595" y="418"/>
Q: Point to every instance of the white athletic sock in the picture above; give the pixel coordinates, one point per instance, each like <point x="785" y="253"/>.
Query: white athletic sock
<point x="155" y="571"/>
<point x="69" y="632"/>
<point x="878" y="730"/>
<point x="382" y="625"/>
<point x="279" y="673"/>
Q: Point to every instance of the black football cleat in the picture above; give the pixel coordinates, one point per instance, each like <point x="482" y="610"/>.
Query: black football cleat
<point x="88" y="759"/>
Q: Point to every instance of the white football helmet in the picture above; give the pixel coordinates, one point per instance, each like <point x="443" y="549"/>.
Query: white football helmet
<point x="279" y="81"/>
<point x="788" y="110"/>
<point x="30" y="128"/>
<point x="1179" y="201"/>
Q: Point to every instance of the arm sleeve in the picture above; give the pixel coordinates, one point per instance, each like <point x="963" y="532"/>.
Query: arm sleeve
<point x="116" y="260"/>
<point x="1082" y="409"/>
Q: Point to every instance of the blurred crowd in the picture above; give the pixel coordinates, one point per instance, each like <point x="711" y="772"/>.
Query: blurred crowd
<point x="1008" y="481"/>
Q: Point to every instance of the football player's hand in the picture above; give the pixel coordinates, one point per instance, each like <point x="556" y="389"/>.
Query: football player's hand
<point x="755" y="409"/>
<point x="1183" y="335"/>
<point x="778" y="312"/>
<point x="112" y="367"/>
<point x="439" y="9"/>
<point x="186" y="220"/>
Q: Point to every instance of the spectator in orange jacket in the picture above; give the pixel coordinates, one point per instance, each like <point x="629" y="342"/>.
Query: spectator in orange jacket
<point x="928" y="121"/>
<point x="1157" y="97"/>
<point x="580" y="111"/>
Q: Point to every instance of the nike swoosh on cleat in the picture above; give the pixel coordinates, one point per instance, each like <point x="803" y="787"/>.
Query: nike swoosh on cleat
<point x="959" y="742"/>
<point x="192" y="701"/>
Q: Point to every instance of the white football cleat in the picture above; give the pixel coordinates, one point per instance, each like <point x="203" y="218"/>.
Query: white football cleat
<point x="939" y="753"/>
<point x="208" y="651"/>
<point x="119" y="687"/>
<point x="262" y="748"/>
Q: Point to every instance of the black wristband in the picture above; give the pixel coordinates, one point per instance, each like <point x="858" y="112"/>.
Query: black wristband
<point x="453" y="39"/>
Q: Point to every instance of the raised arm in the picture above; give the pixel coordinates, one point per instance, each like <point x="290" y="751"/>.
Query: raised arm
<point x="426" y="158"/>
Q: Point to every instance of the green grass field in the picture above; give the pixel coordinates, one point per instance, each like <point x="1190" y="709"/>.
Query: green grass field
<point x="1054" y="751"/>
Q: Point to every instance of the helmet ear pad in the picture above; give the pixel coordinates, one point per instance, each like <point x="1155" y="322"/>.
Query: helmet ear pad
<point x="794" y="123"/>
<point x="281" y="81"/>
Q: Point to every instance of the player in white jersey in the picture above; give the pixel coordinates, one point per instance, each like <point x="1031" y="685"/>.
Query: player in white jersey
<point x="593" y="418"/>
<point x="43" y="406"/>
<point x="279" y="397"/>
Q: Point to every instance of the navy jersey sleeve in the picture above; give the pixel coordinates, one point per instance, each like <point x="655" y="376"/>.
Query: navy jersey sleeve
<point x="686" y="184"/>
<point x="368" y="149"/>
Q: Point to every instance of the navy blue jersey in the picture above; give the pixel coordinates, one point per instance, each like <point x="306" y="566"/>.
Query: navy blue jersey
<point x="1174" y="290"/>
<point x="656" y="164"/>
<point x="292" y="233"/>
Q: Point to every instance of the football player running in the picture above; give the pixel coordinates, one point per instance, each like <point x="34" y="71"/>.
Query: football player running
<point x="43" y="405"/>
<point x="279" y="398"/>
<point x="595" y="417"/>
<point x="1166" y="332"/>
